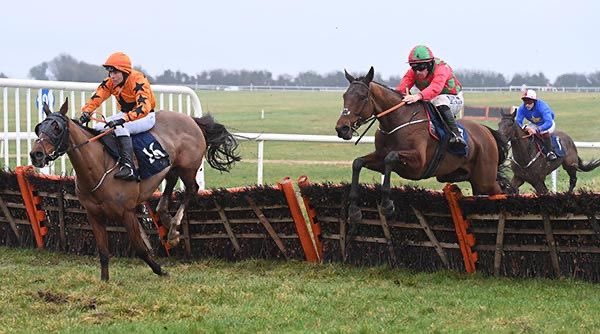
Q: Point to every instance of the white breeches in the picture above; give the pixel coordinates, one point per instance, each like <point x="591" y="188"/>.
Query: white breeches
<point x="129" y="128"/>
<point x="456" y="103"/>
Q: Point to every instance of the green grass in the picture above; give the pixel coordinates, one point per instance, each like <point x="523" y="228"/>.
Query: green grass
<point x="50" y="292"/>
<point x="316" y="113"/>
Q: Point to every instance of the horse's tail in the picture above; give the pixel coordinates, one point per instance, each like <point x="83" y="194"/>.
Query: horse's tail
<point x="221" y="145"/>
<point x="586" y="167"/>
<point x="501" y="176"/>
<point x="502" y="145"/>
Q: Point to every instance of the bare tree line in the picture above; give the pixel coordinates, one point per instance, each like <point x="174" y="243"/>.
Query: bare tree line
<point x="66" y="68"/>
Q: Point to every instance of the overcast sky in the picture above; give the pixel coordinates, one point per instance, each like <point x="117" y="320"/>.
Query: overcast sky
<point x="505" y="36"/>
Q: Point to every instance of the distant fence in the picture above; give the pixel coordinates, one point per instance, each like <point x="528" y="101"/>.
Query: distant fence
<point x="483" y="113"/>
<point x="233" y="88"/>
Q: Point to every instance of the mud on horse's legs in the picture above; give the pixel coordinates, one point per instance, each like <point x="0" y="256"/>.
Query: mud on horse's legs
<point x="99" y="230"/>
<point x="130" y="221"/>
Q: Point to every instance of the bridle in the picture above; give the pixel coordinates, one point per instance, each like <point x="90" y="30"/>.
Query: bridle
<point x="516" y="137"/>
<point x="59" y="141"/>
<point x="368" y="102"/>
<point x="360" y="120"/>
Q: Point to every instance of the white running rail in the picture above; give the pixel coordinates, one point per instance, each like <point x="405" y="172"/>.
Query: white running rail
<point x="18" y="94"/>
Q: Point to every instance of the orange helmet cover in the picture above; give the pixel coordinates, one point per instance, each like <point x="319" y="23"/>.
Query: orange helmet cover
<point x="120" y="61"/>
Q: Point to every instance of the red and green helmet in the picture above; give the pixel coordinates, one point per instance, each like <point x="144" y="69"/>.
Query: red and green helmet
<point x="420" y="54"/>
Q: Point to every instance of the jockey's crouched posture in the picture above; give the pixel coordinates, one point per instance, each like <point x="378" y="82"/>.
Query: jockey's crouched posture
<point x="541" y="118"/>
<point x="438" y="84"/>
<point x="135" y="100"/>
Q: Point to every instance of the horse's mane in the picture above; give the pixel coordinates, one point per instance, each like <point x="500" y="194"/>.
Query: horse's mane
<point x="92" y="131"/>
<point x="388" y="88"/>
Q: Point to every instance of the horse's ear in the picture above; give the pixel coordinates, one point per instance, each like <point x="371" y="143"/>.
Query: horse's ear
<point x="46" y="109"/>
<point x="513" y="111"/>
<point x="370" y="75"/>
<point x="349" y="77"/>
<point x="65" y="107"/>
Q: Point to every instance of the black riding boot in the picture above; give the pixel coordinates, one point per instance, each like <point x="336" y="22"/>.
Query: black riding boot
<point x="127" y="171"/>
<point x="456" y="140"/>
<point x="550" y="155"/>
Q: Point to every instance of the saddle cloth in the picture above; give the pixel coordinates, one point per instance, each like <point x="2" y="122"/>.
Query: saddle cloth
<point x="151" y="157"/>
<point x="437" y="130"/>
<point x="557" y="146"/>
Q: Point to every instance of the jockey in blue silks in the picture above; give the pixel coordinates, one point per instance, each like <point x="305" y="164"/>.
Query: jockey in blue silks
<point x="541" y="118"/>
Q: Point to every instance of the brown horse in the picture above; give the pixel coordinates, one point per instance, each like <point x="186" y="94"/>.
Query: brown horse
<point x="529" y="164"/>
<point x="403" y="144"/>
<point x="187" y="140"/>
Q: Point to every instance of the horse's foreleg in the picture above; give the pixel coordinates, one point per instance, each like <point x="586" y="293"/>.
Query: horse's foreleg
<point x="516" y="182"/>
<point x="371" y="161"/>
<point x="130" y="222"/>
<point x="540" y="187"/>
<point x="354" y="214"/>
<point x="391" y="161"/>
<point x="99" y="230"/>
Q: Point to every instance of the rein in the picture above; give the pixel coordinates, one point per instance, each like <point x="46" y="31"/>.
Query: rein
<point x="93" y="139"/>
<point x="534" y="159"/>
<point x="61" y="145"/>
<point x="374" y="117"/>
<point x="389" y="110"/>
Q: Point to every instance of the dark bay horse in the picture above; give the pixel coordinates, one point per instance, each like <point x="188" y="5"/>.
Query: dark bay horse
<point x="403" y="144"/>
<point x="187" y="140"/>
<point x="530" y="165"/>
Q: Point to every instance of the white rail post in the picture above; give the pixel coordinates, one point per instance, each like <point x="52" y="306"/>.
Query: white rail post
<point x="261" y="149"/>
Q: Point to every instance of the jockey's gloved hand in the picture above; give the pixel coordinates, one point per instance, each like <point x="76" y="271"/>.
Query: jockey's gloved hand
<point x="85" y="117"/>
<point x="114" y="123"/>
<point x="531" y="129"/>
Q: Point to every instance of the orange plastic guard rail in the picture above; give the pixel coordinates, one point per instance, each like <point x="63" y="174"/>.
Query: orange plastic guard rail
<point x="312" y="215"/>
<point x="36" y="216"/>
<point x="465" y="240"/>
<point x="162" y="230"/>
<point x="305" y="240"/>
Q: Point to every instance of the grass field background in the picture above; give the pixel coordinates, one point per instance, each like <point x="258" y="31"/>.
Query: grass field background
<point x="311" y="112"/>
<point x="43" y="292"/>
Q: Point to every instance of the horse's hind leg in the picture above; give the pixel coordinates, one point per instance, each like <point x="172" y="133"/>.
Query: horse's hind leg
<point x="572" y="171"/>
<point x="99" y="230"/>
<point x="188" y="176"/>
<point x="162" y="209"/>
<point x="130" y="222"/>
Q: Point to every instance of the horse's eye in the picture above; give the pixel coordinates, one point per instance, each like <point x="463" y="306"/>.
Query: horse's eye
<point x="56" y="129"/>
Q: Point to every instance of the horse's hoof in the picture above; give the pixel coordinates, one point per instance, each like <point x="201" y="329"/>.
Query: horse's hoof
<point x="174" y="242"/>
<point x="354" y="215"/>
<point x="387" y="208"/>
<point x="173" y="237"/>
<point x="163" y="273"/>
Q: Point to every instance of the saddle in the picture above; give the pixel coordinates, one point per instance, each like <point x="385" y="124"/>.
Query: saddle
<point x="150" y="156"/>
<point x="438" y="130"/>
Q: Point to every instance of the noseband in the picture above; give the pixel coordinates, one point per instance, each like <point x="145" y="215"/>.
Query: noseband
<point x="59" y="141"/>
